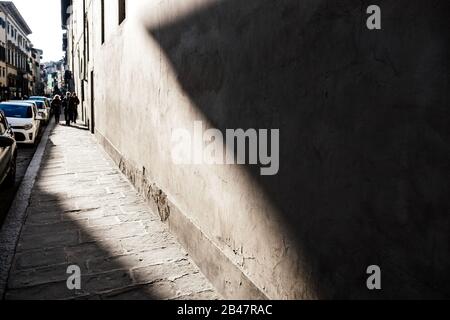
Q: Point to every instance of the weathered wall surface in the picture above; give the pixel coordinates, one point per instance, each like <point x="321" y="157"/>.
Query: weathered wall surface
<point x="364" y="167"/>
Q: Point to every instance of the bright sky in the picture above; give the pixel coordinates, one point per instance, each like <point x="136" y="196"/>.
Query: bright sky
<point x="44" y="19"/>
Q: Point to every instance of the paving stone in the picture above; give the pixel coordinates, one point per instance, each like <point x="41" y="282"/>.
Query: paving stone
<point x="205" y="295"/>
<point x="54" y="172"/>
<point x="48" y="240"/>
<point x="85" y="252"/>
<point x="148" y="242"/>
<point x="86" y="192"/>
<point x="169" y="271"/>
<point x="87" y="206"/>
<point x="163" y="290"/>
<point x="43" y="217"/>
<point x="122" y="262"/>
<point x="59" y="227"/>
<point x="42" y="197"/>
<point x="112" y="211"/>
<point x="193" y="283"/>
<point x="124" y="230"/>
<point x="65" y="205"/>
<point x="136" y="260"/>
<point x="77" y="214"/>
<point x="154" y="226"/>
<point x="106" y="221"/>
<point x="47" y="291"/>
<point x="133" y="207"/>
<point x="33" y="277"/>
<point x="140" y="216"/>
<point x="39" y="258"/>
<point x="107" y="281"/>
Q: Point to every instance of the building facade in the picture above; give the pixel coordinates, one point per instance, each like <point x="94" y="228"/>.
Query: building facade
<point x="16" y="66"/>
<point x="347" y="101"/>
<point x="3" y="42"/>
<point x="37" y="85"/>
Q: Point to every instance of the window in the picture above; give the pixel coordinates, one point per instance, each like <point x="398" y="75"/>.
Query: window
<point x="2" y="53"/>
<point x="103" y="20"/>
<point x="122" y="10"/>
<point x="17" y="112"/>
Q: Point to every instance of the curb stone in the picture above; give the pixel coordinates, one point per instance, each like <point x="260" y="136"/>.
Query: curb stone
<point x="10" y="232"/>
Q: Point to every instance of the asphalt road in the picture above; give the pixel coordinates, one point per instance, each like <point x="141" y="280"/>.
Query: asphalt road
<point x="25" y="155"/>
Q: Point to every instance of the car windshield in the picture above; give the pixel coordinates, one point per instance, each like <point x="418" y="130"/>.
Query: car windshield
<point x="40" y="104"/>
<point x="15" y="111"/>
<point x="38" y="98"/>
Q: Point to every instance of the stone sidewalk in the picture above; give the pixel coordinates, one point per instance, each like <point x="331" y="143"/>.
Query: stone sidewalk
<point x="84" y="212"/>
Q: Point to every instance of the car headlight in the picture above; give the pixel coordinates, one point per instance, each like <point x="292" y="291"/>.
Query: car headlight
<point x="28" y="127"/>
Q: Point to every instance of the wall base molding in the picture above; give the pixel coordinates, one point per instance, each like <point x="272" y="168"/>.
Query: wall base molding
<point x="226" y="277"/>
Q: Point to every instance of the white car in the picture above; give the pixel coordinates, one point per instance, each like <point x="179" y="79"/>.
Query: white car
<point x="41" y="98"/>
<point x="47" y="101"/>
<point x="42" y="111"/>
<point x="23" y="119"/>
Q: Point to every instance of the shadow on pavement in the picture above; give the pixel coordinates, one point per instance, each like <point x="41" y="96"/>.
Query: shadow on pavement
<point x="88" y="215"/>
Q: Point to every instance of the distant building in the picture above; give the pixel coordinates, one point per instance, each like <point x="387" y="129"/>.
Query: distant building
<point x="38" y="82"/>
<point x="54" y="77"/>
<point x="17" y="78"/>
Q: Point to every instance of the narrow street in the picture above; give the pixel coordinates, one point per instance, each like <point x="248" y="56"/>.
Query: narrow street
<point x="256" y="151"/>
<point x="84" y="213"/>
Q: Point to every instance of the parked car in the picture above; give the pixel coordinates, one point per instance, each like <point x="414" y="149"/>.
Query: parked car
<point x="46" y="100"/>
<point x="43" y="110"/>
<point x="38" y="98"/>
<point x="8" y="153"/>
<point x="24" y="120"/>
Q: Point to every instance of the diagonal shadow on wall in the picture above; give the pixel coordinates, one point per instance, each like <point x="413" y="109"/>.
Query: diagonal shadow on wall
<point x="364" y="175"/>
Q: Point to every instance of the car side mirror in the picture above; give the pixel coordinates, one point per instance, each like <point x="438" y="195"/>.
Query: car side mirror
<point x="6" y="142"/>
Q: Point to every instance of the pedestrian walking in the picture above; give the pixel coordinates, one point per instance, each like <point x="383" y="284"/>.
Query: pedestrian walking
<point x="67" y="109"/>
<point x="56" y="108"/>
<point x="74" y="106"/>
